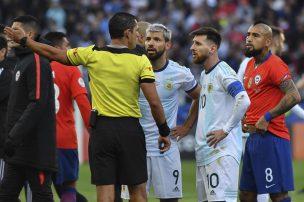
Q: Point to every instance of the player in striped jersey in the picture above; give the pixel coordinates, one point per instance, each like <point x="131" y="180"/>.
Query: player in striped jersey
<point x="223" y="102"/>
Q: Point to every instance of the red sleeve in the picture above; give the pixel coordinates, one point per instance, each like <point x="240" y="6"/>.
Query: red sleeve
<point x="84" y="107"/>
<point x="77" y="83"/>
<point x="279" y="72"/>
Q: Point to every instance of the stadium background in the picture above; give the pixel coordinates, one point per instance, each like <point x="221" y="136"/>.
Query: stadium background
<point x="85" y="22"/>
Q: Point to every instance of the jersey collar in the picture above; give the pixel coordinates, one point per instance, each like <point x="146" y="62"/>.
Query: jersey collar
<point x="207" y="72"/>
<point x="163" y="68"/>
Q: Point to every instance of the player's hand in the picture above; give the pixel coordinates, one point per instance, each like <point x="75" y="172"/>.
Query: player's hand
<point x="244" y="125"/>
<point x="15" y="34"/>
<point x="179" y="132"/>
<point x="164" y="144"/>
<point x="214" y="137"/>
<point x="261" y="125"/>
<point x="9" y="148"/>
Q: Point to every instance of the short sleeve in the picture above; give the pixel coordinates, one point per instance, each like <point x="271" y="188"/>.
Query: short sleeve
<point x="279" y="72"/>
<point x="80" y="55"/>
<point x="77" y="83"/>
<point x="146" y="72"/>
<point x="227" y="76"/>
<point x="189" y="81"/>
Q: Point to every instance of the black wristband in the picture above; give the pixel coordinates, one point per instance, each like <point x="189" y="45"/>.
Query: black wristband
<point x="23" y="41"/>
<point x="164" y="129"/>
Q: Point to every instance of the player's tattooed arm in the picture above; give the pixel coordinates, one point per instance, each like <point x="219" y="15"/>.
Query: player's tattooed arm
<point x="291" y="98"/>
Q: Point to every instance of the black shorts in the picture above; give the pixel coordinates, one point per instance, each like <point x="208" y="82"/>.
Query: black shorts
<point x="117" y="151"/>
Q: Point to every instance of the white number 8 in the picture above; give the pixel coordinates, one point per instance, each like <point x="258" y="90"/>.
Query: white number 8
<point x="57" y="91"/>
<point x="268" y="173"/>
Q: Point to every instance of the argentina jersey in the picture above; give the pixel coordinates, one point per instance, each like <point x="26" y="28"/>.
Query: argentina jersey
<point x="215" y="108"/>
<point x="168" y="80"/>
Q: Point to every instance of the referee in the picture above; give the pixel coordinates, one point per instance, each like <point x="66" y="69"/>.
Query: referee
<point x="117" y="148"/>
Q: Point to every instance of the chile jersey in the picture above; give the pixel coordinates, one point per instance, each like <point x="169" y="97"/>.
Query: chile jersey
<point x="262" y="85"/>
<point x="68" y="84"/>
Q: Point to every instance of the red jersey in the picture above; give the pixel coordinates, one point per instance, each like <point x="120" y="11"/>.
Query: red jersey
<point x="262" y="85"/>
<point x="68" y="85"/>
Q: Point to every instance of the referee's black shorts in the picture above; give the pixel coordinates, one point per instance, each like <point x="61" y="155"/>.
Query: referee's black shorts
<point x="117" y="151"/>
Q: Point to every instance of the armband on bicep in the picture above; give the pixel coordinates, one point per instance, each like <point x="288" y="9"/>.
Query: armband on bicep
<point x="235" y="87"/>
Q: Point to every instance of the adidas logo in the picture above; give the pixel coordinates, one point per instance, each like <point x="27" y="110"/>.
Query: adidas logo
<point x="176" y="189"/>
<point x="212" y="192"/>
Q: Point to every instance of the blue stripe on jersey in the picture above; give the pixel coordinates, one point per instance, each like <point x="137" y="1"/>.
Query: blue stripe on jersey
<point x="235" y="87"/>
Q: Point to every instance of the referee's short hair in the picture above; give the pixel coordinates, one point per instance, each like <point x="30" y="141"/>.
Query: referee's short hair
<point x="121" y="22"/>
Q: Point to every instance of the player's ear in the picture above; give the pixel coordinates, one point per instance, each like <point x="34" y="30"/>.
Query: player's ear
<point x="268" y="42"/>
<point x="168" y="45"/>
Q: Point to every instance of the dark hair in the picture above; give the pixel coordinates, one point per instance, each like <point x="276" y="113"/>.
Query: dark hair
<point x="211" y="33"/>
<point x="2" y="26"/>
<point x="3" y="42"/>
<point x="55" y="38"/>
<point x="276" y="31"/>
<point x="29" y="22"/>
<point x="119" y="23"/>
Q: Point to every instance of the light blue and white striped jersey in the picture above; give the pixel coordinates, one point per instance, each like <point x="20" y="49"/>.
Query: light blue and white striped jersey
<point x="168" y="80"/>
<point x="215" y="108"/>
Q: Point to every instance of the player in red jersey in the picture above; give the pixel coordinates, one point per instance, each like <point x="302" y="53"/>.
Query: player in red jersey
<point x="267" y="164"/>
<point x="69" y="86"/>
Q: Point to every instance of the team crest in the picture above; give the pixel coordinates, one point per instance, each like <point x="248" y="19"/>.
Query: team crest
<point x="168" y="84"/>
<point x="249" y="82"/>
<point x="210" y="87"/>
<point x="81" y="82"/>
<point x="257" y="79"/>
<point x="17" y="75"/>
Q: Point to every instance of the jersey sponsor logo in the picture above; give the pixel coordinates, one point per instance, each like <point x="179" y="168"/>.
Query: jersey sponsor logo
<point x="210" y="87"/>
<point x="149" y="69"/>
<point x="212" y="192"/>
<point x="249" y="82"/>
<point x="176" y="189"/>
<point x="81" y="82"/>
<point x="268" y="186"/>
<point x="17" y="75"/>
<point x="168" y="84"/>
<point x="257" y="79"/>
<point x="75" y="53"/>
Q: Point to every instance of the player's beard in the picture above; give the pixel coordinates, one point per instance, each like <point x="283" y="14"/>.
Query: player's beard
<point x="253" y="52"/>
<point x="200" y="59"/>
<point x="157" y="55"/>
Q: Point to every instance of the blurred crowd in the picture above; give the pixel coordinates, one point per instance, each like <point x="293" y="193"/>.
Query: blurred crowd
<point x="85" y="22"/>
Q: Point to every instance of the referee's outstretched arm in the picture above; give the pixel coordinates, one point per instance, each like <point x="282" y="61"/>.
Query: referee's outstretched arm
<point x="50" y="52"/>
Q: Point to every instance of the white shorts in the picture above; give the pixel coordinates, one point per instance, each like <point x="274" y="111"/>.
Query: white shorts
<point x="164" y="173"/>
<point x="218" y="181"/>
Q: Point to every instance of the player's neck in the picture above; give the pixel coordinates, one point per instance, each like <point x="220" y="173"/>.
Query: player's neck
<point x="210" y="62"/>
<point x="260" y="58"/>
<point x="159" y="63"/>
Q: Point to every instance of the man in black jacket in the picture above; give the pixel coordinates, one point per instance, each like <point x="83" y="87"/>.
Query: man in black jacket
<point x="30" y="146"/>
<point x="5" y="78"/>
